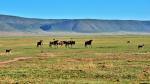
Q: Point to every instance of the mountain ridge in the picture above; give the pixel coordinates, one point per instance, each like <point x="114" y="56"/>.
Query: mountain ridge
<point x="34" y="25"/>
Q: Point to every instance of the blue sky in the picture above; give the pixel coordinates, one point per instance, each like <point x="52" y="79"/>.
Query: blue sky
<point x="78" y="9"/>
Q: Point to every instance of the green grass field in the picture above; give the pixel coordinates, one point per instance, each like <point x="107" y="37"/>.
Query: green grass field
<point x="110" y="60"/>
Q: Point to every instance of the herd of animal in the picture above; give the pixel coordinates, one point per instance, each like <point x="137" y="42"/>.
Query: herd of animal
<point x="68" y="44"/>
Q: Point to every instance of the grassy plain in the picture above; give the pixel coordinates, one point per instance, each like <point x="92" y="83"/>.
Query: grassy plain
<point x="110" y="60"/>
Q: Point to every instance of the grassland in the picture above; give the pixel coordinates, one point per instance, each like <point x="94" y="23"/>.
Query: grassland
<point x="110" y="60"/>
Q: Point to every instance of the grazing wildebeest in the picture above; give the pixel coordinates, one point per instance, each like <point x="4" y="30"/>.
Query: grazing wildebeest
<point x="72" y="43"/>
<point x="140" y="46"/>
<point x="40" y="43"/>
<point x="128" y="42"/>
<point x="66" y="43"/>
<point x="54" y="43"/>
<point x="69" y="43"/>
<point x="88" y="43"/>
<point x="8" y="50"/>
<point x="61" y="43"/>
<point x="50" y="44"/>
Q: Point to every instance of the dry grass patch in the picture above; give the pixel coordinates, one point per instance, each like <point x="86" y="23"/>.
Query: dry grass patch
<point x="74" y="60"/>
<point x="129" y="57"/>
<point x="85" y="67"/>
<point x="107" y="66"/>
<point x="147" y="69"/>
<point x="136" y="57"/>
<point x="144" y="76"/>
<point x="5" y="54"/>
<point x="7" y="80"/>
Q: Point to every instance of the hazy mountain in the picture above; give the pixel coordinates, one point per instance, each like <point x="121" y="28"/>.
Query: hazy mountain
<point x="32" y="25"/>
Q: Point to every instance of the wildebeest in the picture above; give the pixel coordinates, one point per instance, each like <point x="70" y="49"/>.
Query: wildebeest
<point x="40" y="43"/>
<point x="61" y="43"/>
<point x="140" y="46"/>
<point x="8" y="50"/>
<point x="88" y="43"/>
<point x="72" y="43"/>
<point x="69" y="43"/>
<point x="53" y="43"/>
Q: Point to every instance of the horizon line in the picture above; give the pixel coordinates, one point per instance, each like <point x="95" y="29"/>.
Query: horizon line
<point x="71" y="18"/>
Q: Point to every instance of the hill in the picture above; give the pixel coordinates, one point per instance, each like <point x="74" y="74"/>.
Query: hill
<point x="33" y="25"/>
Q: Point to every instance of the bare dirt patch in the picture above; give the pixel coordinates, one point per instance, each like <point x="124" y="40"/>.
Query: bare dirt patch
<point x="46" y="55"/>
<point x="40" y="56"/>
<point x="15" y="59"/>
